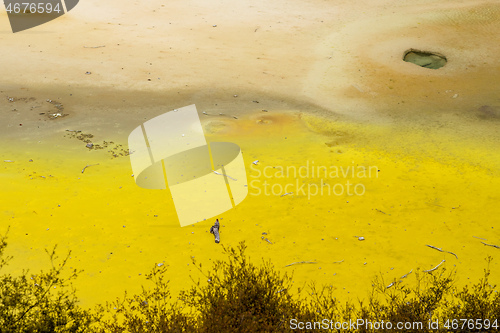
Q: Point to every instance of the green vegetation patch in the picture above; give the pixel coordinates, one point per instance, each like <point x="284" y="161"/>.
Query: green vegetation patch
<point x="425" y="59"/>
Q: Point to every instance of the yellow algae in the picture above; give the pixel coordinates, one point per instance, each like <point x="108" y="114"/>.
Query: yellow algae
<point x="415" y="187"/>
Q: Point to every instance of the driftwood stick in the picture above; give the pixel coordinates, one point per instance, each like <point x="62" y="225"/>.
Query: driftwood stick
<point x="378" y="210"/>
<point x="89" y="165"/>
<point x="267" y="240"/>
<point x="301" y="262"/>
<point x="401" y="279"/>
<point x="441" y="250"/>
<point x="452" y="253"/>
<point x="406" y="274"/>
<point x="433" y="269"/>
<point x="435" y="248"/>
<point x="493" y="245"/>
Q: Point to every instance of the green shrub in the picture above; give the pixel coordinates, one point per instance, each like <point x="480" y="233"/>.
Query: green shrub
<point x="239" y="296"/>
<point x="242" y="297"/>
<point x="43" y="302"/>
<point x="150" y="311"/>
<point x="480" y="301"/>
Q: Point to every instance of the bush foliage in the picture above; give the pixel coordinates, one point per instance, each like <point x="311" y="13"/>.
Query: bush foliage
<point x="236" y="295"/>
<point x="43" y="302"/>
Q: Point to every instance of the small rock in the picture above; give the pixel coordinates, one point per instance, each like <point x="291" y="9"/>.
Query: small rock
<point x="89" y="145"/>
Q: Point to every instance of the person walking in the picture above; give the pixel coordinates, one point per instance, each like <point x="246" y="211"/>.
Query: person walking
<point x="215" y="230"/>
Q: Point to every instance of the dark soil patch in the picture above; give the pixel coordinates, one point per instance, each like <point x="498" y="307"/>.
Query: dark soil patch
<point x="488" y="112"/>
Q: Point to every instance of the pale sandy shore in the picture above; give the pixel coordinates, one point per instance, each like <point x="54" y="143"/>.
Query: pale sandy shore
<point x="106" y="67"/>
<point x="341" y="56"/>
<point x="337" y="58"/>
